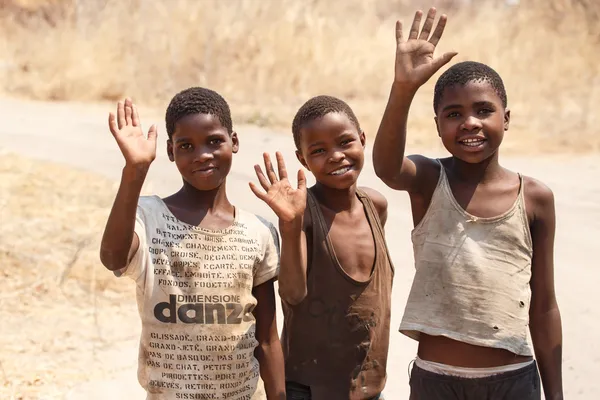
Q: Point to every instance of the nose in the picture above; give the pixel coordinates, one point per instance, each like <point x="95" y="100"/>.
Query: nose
<point x="203" y="155"/>
<point x="471" y="123"/>
<point x="337" y="156"/>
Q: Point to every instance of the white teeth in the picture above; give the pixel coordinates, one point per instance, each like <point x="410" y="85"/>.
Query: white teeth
<point x="472" y="142"/>
<point x="341" y="171"/>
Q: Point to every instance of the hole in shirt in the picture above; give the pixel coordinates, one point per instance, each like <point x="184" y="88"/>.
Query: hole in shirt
<point x="496" y="328"/>
<point x="522" y="304"/>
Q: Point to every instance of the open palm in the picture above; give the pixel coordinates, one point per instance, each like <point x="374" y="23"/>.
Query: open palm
<point x="136" y="148"/>
<point x="288" y="203"/>
<point x="415" y="63"/>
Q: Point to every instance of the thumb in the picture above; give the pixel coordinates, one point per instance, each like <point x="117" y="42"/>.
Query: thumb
<point x="152" y="134"/>
<point x="301" y="180"/>
<point x="443" y="60"/>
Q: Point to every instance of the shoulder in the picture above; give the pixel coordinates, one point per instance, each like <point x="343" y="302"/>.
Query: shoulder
<point x="426" y="166"/>
<point x="256" y="223"/>
<point x="539" y="198"/>
<point x="149" y="207"/>
<point x="378" y="199"/>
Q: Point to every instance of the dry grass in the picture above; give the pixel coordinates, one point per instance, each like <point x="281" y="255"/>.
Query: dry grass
<point x="61" y="311"/>
<point x="268" y="57"/>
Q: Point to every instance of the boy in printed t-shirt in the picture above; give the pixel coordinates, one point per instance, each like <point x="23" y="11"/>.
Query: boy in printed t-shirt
<point x="483" y="237"/>
<point x="204" y="269"/>
<point x="336" y="274"/>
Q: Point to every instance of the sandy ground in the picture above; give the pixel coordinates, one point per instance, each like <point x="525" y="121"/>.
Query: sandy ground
<point x="97" y="340"/>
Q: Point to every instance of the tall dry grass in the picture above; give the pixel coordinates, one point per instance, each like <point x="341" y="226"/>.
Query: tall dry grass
<point x="268" y="57"/>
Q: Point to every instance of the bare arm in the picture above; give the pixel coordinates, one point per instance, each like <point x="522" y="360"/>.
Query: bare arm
<point x="289" y="204"/>
<point x="119" y="242"/>
<point x="292" y="274"/>
<point x="269" y="352"/>
<point x="413" y="67"/>
<point x="544" y="315"/>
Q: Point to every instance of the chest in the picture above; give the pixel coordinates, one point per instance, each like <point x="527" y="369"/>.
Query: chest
<point x="485" y="201"/>
<point x="353" y="243"/>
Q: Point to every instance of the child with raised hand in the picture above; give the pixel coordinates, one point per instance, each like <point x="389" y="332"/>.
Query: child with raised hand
<point x="336" y="273"/>
<point x="204" y="269"/>
<point x="483" y="237"/>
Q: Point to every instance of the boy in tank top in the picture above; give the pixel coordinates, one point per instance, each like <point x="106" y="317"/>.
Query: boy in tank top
<point x="483" y="237"/>
<point x="336" y="275"/>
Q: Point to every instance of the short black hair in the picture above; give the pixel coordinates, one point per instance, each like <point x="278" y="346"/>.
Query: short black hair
<point x="465" y="72"/>
<point x="197" y="100"/>
<point x="317" y="107"/>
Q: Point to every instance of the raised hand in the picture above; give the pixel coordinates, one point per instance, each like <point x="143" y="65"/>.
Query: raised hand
<point x="138" y="150"/>
<point x="414" y="57"/>
<point x="288" y="203"/>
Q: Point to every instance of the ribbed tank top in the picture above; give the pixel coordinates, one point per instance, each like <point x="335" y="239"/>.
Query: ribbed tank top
<point x="472" y="274"/>
<point x="336" y="339"/>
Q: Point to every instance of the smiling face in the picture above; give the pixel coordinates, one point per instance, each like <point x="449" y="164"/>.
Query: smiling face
<point x="332" y="148"/>
<point x="471" y="121"/>
<point x="202" y="149"/>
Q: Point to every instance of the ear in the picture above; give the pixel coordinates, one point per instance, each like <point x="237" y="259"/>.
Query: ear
<point x="235" y="143"/>
<point x="300" y="158"/>
<point x="363" y="138"/>
<point x="506" y="119"/>
<point x="170" y="150"/>
<point x="437" y="127"/>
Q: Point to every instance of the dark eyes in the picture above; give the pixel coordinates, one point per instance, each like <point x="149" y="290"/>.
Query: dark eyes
<point x="344" y="142"/>
<point x="482" y="111"/>
<point x="211" y="142"/>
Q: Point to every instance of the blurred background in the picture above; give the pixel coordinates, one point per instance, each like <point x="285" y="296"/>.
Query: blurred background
<point x="67" y="323"/>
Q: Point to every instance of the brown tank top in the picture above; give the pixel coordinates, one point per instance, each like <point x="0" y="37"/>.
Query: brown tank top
<point x="336" y="340"/>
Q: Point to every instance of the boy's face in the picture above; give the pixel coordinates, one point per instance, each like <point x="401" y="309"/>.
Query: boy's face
<point x="471" y="121"/>
<point x="332" y="149"/>
<point x="202" y="150"/>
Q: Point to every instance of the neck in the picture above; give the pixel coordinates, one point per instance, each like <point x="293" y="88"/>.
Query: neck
<point x="485" y="171"/>
<point x="193" y="199"/>
<point x="336" y="199"/>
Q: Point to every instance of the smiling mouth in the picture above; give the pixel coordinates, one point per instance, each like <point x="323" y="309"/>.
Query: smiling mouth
<point x="341" y="170"/>
<point x="472" y="142"/>
<point x="204" y="170"/>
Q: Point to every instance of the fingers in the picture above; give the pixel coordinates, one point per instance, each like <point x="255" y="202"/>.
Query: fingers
<point x="261" y="178"/>
<point x="428" y="24"/>
<point x="257" y="192"/>
<point x="112" y="124"/>
<point x="128" y="112"/>
<point x="398" y="32"/>
<point x="269" y="168"/>
<point x="152" y="134"/>
<point x="135" y="117"/>
<point x="443" y="60"/>
<point x="301" y="180"/>
<point x="437" y="34"/>
<point x="281" y="165"/>
<point x="414" y="29"/>
<point x="121" y="114"/>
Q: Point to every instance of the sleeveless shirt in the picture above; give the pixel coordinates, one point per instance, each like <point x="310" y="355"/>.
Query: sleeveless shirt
<point x="336" y="339"/>
<point x="472" y="274"/>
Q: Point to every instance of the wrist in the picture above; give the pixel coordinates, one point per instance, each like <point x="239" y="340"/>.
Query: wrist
<point x="135" y="172"/>
<point x="404" y="89"/>
<point x="293" y="226"/>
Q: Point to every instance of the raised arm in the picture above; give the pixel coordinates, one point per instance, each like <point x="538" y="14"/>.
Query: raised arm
<point x="119" y="242"/>
<point x="289" y="205"/>
<point x="414" y="65"/>
<point x="544" y="316"/>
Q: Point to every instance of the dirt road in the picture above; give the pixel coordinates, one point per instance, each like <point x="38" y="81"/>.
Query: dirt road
<point x="76" y="135"/>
